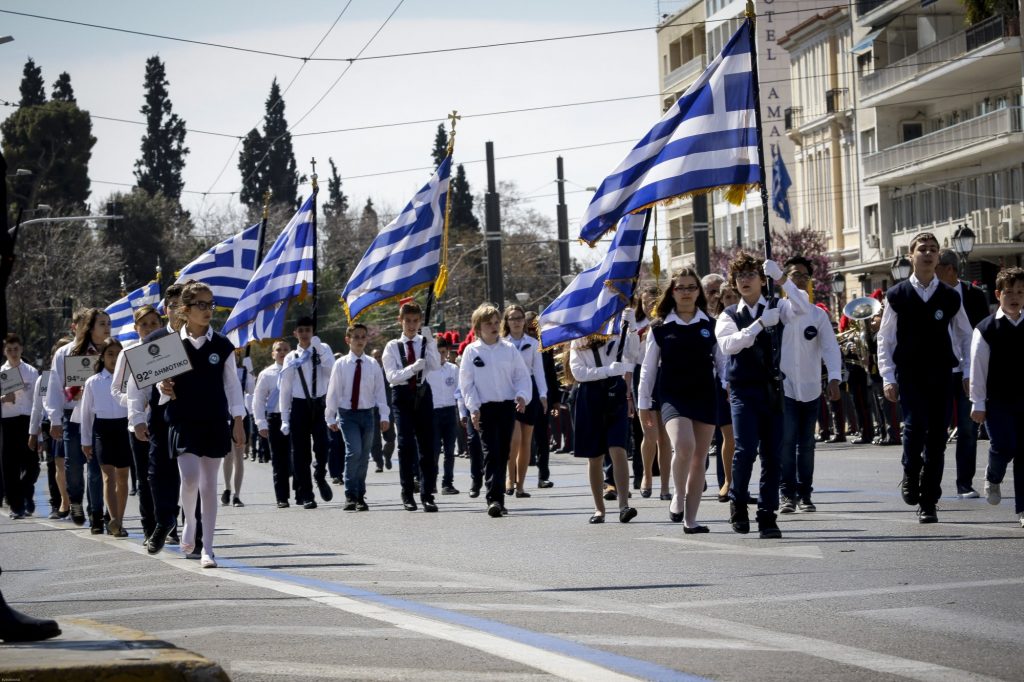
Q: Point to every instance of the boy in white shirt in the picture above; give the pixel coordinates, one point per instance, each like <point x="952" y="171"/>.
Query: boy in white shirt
<point x="443" y="384"/>
<point x="20" y="464"/>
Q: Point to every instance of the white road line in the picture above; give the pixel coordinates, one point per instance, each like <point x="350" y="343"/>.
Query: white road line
<point x="842" y="594"/>
<point x="949" y="622"/>
<point x="666" y="642"/>
<point x="521" y="608"/>
<point x="773" y="550"/>
<point x="291" y="670"/>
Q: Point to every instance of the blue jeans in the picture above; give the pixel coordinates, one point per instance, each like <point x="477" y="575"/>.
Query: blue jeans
<point x="357" y="429"/>
<point x="796" y="457"/>
<point x="74" y="463"/>
<point x="757" y="428"/>
<point x="445" y="432"/>
<point x="966" y="437"/>
<point x="1005" y="424"/>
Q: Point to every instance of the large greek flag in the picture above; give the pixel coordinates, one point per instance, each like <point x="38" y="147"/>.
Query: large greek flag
<point x="406" y="254"/>
<point x="122" y="311"/>
<point x="285" y="273"/>
<point x="706" y="140"/>
<point x="227" y="267"/>
<point x="592" y="303"/>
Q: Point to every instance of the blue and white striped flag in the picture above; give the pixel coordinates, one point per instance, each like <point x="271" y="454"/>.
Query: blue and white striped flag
<point x="227" y="267"/>
<point x="406" y="254"/>
<point x="286" y="273"/>
<point x="706" y="140"/>
<point x="122" y="311"/>
<point x="592" y="303"/>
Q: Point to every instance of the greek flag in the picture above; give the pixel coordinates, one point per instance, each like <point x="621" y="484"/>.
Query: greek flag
<point x="706" y="140"/>
<point x="227" y="267"/>
<point x="122" y="311"/>
<point x="592" y="303"/>
<point x="285" y="273"/>
<point x="406" y="254"/>
<point x="780" y="187"/>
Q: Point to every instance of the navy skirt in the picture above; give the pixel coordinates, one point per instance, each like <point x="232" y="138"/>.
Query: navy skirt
<point x="534" y="410"/>
<point x="600" y="417"/>
<point x="206" y="438"/>
<point x="111" y="442"/>
<point x="704" y="412"/>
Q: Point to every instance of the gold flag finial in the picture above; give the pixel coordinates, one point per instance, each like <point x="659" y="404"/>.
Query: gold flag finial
<point x="266" y="203"/>
<point x="749" y="11"/>
<point x="453" y="118"/>
<point x="312" y="177"/>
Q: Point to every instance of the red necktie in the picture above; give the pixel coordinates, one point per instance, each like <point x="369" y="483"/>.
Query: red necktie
<point x="411" y="359"/>
<point x="356" y="377"/>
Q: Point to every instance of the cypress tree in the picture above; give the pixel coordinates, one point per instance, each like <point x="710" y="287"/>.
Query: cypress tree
<point x="62" y="90"/>
<point x="337" y="201"/>
<point x="163" y="144"/>
<point x="33" y="90"/>
<point x="267" y="161"/>
<point x="440" y="145"/>
<point x="462" y="217"/>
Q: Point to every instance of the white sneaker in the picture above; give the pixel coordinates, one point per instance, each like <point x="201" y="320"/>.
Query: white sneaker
<point x="207" y="561"/>
<point x="992" y="493"/>
<point x="969" y="495"/>
<point x="1022" y="519"/>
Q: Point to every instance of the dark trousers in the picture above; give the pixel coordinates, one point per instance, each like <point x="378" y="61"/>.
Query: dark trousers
<point x="1005" y="424"/>
<point x="858" y="385"/>
<point x="140" y="455"/>
<point x="757" y="428"/>
<point x="415" y="426"/>
<point x="308" y="426"/>
<point x="497" y="421"/>
<point x="446" y="425"/>
<point x="476" y="456"/>
<point x="542" y="445"/>
<point x="280" y="457"/>
<point x="20" y="465"/>
<point x="796" y="456"/>
<point x="50" y="454"/>
<point x="164" y="479"/>
<point x="886" y="413"/>
<point x="383" y="444"/>
<point x="336" y="456"/>
<point x="966" y="436"/>
<point x="927" y="403"/>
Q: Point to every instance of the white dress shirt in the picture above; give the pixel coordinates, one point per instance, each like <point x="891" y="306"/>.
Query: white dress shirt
<point x="371" y="387"/>
<point x="802" y="357"/>
<point x="397" y="350"/>
<point x="56" y="400"/>
<point x="492" y="373"/>
<point x="22" y="405"/>
<point x="584" y="368"/>
<point x="534" y="361"/>
<point x="266" y="384"/>
<point x="98" y="403"/>
<point x="444" y="382"/>
<point x="959" y="333"/>
<point x="35" y="421"/>
<point x="248" y="384"/>
<point x="232" y="386"/>
<point x="290" y="383"/>
<point x="980" y="354"/>
<point x="652" y="359"/>
<point x="732" y="340"/>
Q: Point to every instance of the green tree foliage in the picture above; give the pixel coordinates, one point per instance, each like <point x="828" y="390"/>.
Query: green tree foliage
<point x="440" y="145"/>
<point x="54" y="140"/>
<point x="267" y="161"/>
<point x="62" y="90"/>
<point x="33" y="90"/>
<point x="159" y="168"/>
<point x="153" y="227"/>
<point x="462" y="219"/>
<point x="337" y="202"/>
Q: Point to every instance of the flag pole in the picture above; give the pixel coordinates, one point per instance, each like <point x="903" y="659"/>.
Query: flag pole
<point x="316" y="190"/>
<point x="636" y="280"/>
<point x="261" y="238"/>
<point x="441" y="283"/>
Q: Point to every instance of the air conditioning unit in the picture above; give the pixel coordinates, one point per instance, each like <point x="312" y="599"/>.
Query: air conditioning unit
<point x="1010" y="221"/>
<point x="1010" y="213"/>
<point x="872" y="241"/>
<point x="983" y="218"/>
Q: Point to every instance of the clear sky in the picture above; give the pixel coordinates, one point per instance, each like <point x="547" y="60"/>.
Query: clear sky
<point x="224" y="91"/>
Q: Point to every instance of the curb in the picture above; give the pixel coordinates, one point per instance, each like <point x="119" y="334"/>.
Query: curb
<point x="89" y="650"/>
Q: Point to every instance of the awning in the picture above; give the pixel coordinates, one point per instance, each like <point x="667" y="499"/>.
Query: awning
<point x="867" y="41"/>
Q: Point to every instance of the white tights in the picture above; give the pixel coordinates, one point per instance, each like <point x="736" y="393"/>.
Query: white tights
<point x="690" y="442"/>
<point x="199" y="477"/>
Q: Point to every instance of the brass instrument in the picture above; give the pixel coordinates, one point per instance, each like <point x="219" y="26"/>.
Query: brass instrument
<point x="860" y="310"/>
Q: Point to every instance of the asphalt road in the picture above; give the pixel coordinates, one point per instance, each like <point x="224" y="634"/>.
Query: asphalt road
<point x="855" y="591"/>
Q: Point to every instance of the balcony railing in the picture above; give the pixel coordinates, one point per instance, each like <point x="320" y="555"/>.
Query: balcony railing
<point x="790" y="117"/>
<point x="937" y="54"/>
<point x="691" y="68"/>
<point x="835" y="100"/>
<point x="955" y="138"/>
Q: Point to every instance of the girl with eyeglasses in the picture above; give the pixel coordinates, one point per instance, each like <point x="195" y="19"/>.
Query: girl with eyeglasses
<point x="513" y="330"/>
<point x="204" y="414"/>
<point x="682" y="358"/>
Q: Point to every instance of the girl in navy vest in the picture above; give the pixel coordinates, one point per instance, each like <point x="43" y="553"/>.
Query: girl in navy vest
<point x="654" y="441"/>
<point x="747" y="336"/>
<point x="997" y="387"/>
<point x="513" y="330"/>
<point x="601" y="412"/>
<point x="924" y="335"/>
<point x="681" y="358"/>
<point x="727" y="296"/>
<point x="104" y="425"/>
<point x="204" y="415"/>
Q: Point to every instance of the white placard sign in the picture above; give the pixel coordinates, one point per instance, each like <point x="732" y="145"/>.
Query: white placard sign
<point x="11" y="381"/>
<point x="151" y="363"/>
<point x="78" y="368"/>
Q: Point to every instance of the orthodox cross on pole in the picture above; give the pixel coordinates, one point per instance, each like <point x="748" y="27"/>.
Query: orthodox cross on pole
<point x="312" y="163"/>
<point x="453" y="118"/>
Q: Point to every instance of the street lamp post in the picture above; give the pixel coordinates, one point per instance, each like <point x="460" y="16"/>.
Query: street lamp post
<point x="838" y="288"/>
<point x="963" y="244"/>
<point x="900" y="269"/>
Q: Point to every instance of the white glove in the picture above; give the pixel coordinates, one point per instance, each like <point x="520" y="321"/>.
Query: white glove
<point x="772" y="269"/>
<point x="618" y="369"/>
<point x="418" y="365"/>
<point x="770" y="317"/>
<point x="427" y="333"/>
<point x="286" y="428"/>
<point x="629" y="317"/>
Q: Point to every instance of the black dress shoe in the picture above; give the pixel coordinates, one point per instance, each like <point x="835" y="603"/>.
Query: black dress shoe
<point x="416" y="487"/>
<point x="610" y="494"/>
<point x="910" y="489"/>
<point x="724" y="498"/>
<point x="428" y="505"/>
<point x="18" y="627"/>
<point x="236" y="502"/>
<point x="361" y="505"/>
<point x="409" y="504"/>
<point x="283" y="504"/>
<point x="336" y="481"/>
<point x="225" y="498"/>
<point x="349" y="506"/>
<point x="926" y="514"/>
<point x="387" y="464"/>
<point x="173" y="538"/>
<point x="474" y="492"/>
<point x="449" y="490"/>
<point x="627" y="514"/>
<point x="645" y="492"/>
<point x="510" y="491"/>
<point x="309" y="504"/>
<point x="739" y="518"/>
<point x="157" y="539"/>
<point x="326" y="494"/>
<point x="522" y="493"/>
<point x="597" y="518"/>
<point x="379" y="470"/>
<point x="674" y="517"/>
<point x="696" y="530"/>
<point x="545" y="484"/>
<point x="767" y="528"/>
<point x="494" y="510"/>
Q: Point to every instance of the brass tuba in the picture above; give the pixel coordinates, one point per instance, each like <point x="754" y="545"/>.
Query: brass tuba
<point x="860" y="310"/>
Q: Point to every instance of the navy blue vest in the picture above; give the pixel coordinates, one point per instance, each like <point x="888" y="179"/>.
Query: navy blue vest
<point x="200" y="393"/>
<point x="687" y="359"/>
<point x="752" y="366"/>
<point x="922" y="329"/>
<point x="1005" y="370"/>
